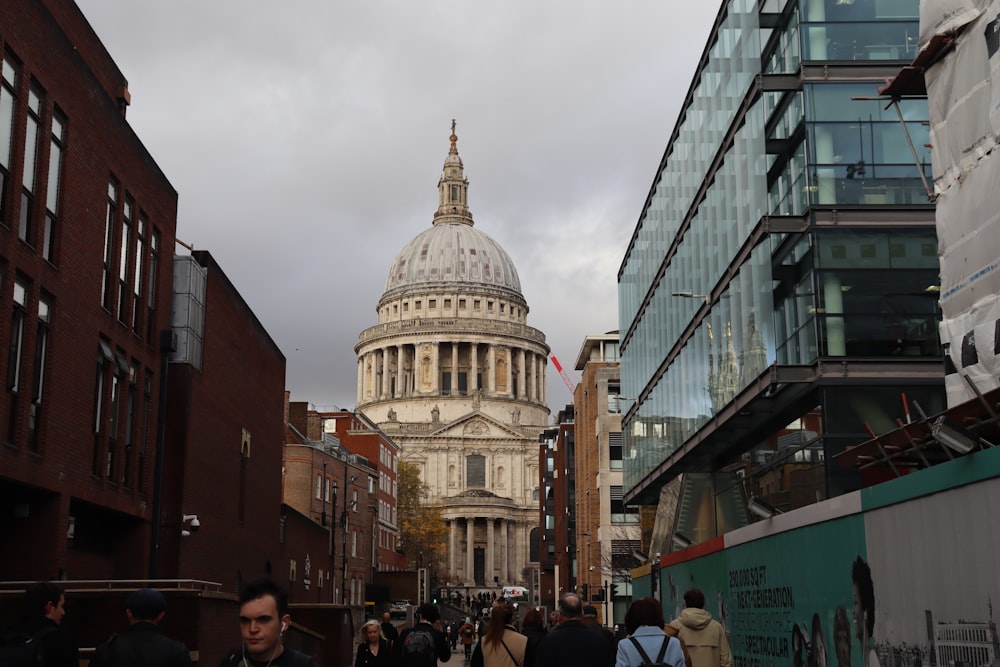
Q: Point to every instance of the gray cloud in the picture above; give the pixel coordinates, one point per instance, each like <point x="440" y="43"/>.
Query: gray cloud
<point x="305" y="139"/>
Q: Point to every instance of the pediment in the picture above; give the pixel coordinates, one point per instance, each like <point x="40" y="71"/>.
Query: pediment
<point x="476" y="425"/>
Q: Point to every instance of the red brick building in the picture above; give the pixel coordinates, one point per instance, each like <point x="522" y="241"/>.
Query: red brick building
<point x="362" y="437"/>
<point x="337" y="490"/>
<point x="87" y="223"/>
<point x="97" y="375"/>
<point x="224" y="434"/>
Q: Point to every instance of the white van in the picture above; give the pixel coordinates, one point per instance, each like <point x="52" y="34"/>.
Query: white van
<point x="515" y="592"/>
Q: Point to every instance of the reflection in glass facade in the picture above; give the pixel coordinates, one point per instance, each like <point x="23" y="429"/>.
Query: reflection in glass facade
<point x="708" y="302"/>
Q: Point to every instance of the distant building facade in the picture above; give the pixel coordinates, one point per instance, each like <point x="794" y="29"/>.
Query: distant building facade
<point x="361" y="437"/>
<point x="338" y="491"/>
<point x="558" y="543"/>
<point x="453" y="374"/>
<point x="608" y="533"/>
<point x="784" y="263"/>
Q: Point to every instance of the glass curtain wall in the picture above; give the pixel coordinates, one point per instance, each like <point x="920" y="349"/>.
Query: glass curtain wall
<point x="706" y="213"/>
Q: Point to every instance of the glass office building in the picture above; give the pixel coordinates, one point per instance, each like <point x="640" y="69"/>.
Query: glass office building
<point x="785" y="259"/>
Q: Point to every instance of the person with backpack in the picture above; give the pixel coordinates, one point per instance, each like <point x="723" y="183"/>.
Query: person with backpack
<point x="501" y="645"/>
<point x="468" y="635"/>
<point x="41" y="641"/>
<point x="647" y="645"/>
<point x="423" y="645"/>
<point x="142" y="643"/>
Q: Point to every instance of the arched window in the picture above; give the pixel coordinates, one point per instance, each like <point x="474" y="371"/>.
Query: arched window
<point x="533" y="544"/>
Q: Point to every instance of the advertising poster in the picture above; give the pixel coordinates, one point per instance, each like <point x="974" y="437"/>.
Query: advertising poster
<point x="933" y="563"/>
<point x="785" y="600"/>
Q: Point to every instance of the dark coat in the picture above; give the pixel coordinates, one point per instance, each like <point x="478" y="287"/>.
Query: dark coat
<point x="58" y="647"/>
<point x="535" y="637"/>
<point x="141" y="645"/>
<point x="365" y="657"/>
<point x="440" y="643"/>
<point x="572" y="644"/>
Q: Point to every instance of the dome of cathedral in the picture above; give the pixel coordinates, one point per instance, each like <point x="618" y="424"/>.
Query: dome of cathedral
<point x="452" y="253"/>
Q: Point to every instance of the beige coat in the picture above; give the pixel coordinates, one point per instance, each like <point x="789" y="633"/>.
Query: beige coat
<point x="515" y="641"/>
<point x="704" y="638"/>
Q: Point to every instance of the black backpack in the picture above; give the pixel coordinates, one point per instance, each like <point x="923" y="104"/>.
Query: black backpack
<point x="419" y="649"/>
<point x="19" y="649"/>
<point x="659" y="658"/>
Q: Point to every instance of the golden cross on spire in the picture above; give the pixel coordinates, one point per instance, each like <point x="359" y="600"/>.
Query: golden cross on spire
<point x="454" y="139"/>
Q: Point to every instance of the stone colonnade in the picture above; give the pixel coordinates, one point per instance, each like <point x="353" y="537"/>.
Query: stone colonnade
<point x="451" y="369"/>
<point x="502" y="540"/>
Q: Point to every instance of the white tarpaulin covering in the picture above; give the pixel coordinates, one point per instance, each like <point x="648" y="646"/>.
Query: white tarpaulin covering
<point x="963" y="91"/>
<point x="940" y="16"/>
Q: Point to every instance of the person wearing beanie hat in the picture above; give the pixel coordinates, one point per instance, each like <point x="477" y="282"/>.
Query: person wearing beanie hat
<point x="142" y="643"/>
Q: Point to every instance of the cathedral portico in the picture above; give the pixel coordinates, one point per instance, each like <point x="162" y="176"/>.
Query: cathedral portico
<point x="455" y="375"/>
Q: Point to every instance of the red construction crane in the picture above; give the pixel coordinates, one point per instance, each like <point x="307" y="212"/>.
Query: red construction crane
<point x="569" y="383"/>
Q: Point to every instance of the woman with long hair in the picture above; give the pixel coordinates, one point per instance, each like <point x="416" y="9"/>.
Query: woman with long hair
<point x="373" y="651"/>
<point x="532" y="627"/>
<point x="502" y="645"/>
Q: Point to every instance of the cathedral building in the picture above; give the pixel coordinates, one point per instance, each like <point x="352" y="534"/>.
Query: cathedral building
<point x="456" y="377"/>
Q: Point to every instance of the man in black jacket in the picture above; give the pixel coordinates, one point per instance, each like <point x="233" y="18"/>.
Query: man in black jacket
<point x="571" y="643"/>
<point x="142" y="643"/>
<point x="42" y="636"/>
<point x="423" y="645"/>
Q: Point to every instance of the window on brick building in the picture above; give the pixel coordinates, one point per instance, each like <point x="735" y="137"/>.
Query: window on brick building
<point x="129" y="438"/>
<point x="154" y="266"/>
<point x="124" y="289"/>
<point x="141" y="227"/>
<point x="25" y="225"/>
<point x="119" y="376"/>
<point x="56" y="145"/>
<point x="319" y="486"/>
<point x="15" y="357"/>
<point x="9" y="72"/>
<point x="38" y="376"/>
<point x="110" y="220"/>
<point x="143" y="437"/>
<point x="104" y="360"/>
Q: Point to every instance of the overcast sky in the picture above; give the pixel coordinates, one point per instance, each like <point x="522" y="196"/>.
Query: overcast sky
<point x="306" y="137"/>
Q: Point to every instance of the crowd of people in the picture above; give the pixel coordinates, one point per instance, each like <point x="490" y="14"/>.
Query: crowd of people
<point x="572" y="638"/>
<point x="40" y="641"/>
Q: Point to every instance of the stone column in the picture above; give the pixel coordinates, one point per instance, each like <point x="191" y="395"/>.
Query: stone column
<point x="373" y="376"/>
<point x="542" y="382"/>
<point x="361" y="378"/>
<point x="385" y="372"/>
<point x="436" y="365"/>
<point x="490" y="547"/>
<point x="470" y="549"/>
<point x="400" y="380"/>
<point x="454" y="368"/>
<point x="510" y="371"/>
<point x="473" y="367"/>
<point x="491" y="363"/>
<point x="522" y="377"/>
<point x="505" y="538"/>
<point x="452" y="545"/>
